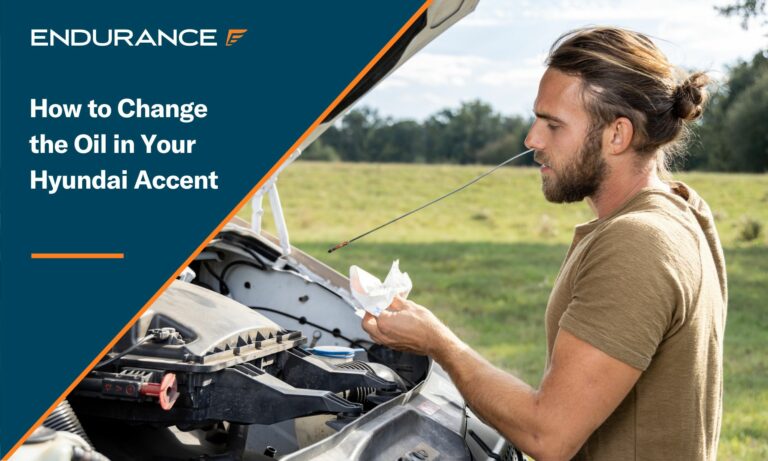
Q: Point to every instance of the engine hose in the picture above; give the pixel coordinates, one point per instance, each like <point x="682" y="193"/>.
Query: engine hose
<point x="63" y="418"/>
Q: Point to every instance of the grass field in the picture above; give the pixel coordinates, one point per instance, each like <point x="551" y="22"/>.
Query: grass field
<point x="485" y="260"/>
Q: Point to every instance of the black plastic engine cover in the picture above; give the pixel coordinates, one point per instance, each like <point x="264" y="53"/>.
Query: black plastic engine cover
<point x="216" y="332"/>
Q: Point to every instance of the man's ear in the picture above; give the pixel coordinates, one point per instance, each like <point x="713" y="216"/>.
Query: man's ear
<point x="617" y="137"/>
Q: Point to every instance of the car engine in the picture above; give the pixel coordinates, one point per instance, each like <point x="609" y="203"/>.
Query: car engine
<point x="201" y="375"/>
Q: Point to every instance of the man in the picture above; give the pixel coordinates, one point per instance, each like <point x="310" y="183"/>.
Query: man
<point x="636" y="318"/>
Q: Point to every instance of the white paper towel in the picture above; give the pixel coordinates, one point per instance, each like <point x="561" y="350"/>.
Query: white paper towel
<point x="375" y="296"/>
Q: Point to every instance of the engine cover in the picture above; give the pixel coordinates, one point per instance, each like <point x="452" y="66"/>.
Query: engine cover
<point x="197" y="357"/>
<point x="214" y="332"/>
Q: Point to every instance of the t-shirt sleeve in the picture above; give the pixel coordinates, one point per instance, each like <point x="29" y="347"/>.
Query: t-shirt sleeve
<point x="625" y="292"/>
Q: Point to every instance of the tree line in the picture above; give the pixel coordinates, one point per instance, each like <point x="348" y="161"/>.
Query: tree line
<point x="731" y="136"/>
<point x="473" y="133"/>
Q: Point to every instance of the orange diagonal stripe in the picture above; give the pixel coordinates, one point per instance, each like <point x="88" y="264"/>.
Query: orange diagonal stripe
<point x="78" y="255"/>
<point x="237" y="208"/>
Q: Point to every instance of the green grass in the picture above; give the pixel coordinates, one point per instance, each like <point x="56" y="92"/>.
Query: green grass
<point x="485" y="260"/>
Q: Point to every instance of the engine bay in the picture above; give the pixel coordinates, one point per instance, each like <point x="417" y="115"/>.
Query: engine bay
<point x="252" y="357"/>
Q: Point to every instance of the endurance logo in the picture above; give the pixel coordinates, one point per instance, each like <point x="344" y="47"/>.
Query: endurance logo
<point x="234" y="35"/>
<point x="131" y="38"/>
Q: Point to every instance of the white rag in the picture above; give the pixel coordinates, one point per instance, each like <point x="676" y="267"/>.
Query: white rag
<point x="375" y="296"/>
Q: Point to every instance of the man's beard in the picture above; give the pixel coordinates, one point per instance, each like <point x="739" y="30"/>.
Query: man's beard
<point x="579" y="179"/>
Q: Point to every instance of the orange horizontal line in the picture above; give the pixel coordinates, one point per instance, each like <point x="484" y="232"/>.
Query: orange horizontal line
<point x="78" y="255"/>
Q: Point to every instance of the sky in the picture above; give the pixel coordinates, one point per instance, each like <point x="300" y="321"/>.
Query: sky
<point x="497" y="53"/>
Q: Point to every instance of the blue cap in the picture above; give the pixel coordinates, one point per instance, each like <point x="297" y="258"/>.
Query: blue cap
<point x="336" y="352"/>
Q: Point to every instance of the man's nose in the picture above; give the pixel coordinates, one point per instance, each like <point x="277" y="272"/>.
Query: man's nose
<point x="533" y="139"/>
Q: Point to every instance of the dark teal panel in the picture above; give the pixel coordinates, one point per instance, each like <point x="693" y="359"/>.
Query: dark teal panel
<point x="261" y="93"/>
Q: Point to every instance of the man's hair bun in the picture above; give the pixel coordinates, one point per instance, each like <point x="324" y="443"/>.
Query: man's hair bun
<point x="689" y="97"/>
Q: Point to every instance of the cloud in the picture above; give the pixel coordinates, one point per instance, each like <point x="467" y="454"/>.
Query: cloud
<point x="497" y="13"/>
<point x="434" y="81"/>
<point x="523" y="76"/>
<point x="479" y="21"/>
<point x="599" y="11"/>
<point x="437" y="70"/>
<point x="497" y="53"/>
<point x="445" y="70"/>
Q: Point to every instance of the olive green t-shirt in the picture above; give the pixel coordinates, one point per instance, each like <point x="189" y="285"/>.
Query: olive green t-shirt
<point x="647" y="286"/>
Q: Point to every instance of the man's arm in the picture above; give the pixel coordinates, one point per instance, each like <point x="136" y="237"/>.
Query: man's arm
<point x="580" y="389"/>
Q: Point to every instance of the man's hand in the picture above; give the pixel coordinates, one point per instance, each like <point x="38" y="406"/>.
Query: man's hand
<point x="580" y="389"/>
<point x="407" y="326"/>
